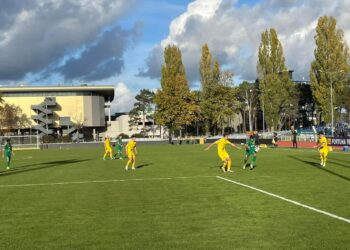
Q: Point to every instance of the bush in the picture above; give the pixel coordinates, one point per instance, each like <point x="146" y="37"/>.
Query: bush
<point x="48" y="139"/>
<point x="138" y="135"/>
<point x="65" y="138"/>
<point x="124" y="136"/>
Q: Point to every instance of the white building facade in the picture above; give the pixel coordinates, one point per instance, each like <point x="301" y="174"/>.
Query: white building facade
<point x="120" y="125"/>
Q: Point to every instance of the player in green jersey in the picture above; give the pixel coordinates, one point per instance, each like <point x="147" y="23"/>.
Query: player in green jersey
<point x="7" y="153"/>
<point x="119" y="147"/>
<point x="250" y="151"/>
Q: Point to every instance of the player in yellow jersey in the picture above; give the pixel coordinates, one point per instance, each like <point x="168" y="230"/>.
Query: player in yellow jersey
<point x="108" y="148"/>
<point x="131" y="152"/>
<point x="224" y="156"/>
<point x="322" y="146"/>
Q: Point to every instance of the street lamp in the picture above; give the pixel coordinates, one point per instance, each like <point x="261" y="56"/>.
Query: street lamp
<point x="331" y="81"/>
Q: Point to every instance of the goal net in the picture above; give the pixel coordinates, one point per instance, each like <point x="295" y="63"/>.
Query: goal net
<point x="21" y="142"/>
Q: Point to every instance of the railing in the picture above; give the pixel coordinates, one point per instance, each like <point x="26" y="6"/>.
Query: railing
<point x="43" y="130"/>
<point x="42" y="109"/>
<point x="40" y="117"/>
<point x="68" y="131"/>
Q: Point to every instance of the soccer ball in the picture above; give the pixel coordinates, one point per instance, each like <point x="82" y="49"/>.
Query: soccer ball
<point x="257" y="148"/>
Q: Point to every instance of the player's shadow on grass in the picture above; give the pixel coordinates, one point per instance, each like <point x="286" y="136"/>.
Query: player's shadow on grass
<point x="219" y="167"/>
<point x="144" y="165"/>
<point x="339" y="164"/>
<point x="38" y="166"/>
<point x="317" y="166"/>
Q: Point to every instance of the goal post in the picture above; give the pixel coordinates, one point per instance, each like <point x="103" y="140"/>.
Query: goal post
<point x="22" y="142"/>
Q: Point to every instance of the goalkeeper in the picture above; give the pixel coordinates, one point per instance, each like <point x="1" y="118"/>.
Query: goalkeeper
<point x="250" y="152"/>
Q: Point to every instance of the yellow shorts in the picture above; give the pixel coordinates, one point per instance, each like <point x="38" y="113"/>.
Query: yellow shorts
<point x="131" y="155"/>
<point x="324" y="151"/>
<point x="223" y="156"/>
<point x="108" y="150"/>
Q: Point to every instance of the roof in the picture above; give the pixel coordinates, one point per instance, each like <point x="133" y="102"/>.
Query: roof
<point x="105" y="90"/>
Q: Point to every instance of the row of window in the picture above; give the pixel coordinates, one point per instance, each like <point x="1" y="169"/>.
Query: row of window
<point x="24" y="94"/>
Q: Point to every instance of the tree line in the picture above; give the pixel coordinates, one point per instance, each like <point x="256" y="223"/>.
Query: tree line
<point x="11" y="118"/>
<point x="272" y="102"/>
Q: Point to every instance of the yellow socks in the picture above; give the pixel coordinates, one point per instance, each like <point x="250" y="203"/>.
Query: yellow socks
<point x="132" y="165"/>
<point x="127" y="165"/>
<point x="229" y="165"/>
<point x="224" y="167"/>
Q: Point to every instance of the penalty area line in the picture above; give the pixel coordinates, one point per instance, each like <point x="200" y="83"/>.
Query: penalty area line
<point x="288" y="200"/>
<point x="104" y="181"/>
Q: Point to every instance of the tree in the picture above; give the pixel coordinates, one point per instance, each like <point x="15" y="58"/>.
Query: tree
<point x="217" y="99"/>
<point x="134" y="119"/>
<point x="78" y="121"/>
<point x="226" y="78"/>
<point x="330" y="68"/>
<point x="175" y="103"/>
<point x="219" y="102"/>
<point x="211" y="95"/>
<point x="206" y="74"/>
<point x="224" y="106"/>
<point x="1" y="108"/>
<point x="216" y="74"/>
<point x="142" y="107"/>
<point x="11" y="118"/>
<point x="275" y="86"/>
<point x="205" y="70"/>
<point x="306" y="105"/>
<point x="198" y="116"/>
<point x="247" y="94"/>
<point x="348" y="102"/>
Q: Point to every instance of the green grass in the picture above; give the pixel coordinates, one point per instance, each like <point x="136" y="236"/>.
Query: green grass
<point x="202" y="212"/>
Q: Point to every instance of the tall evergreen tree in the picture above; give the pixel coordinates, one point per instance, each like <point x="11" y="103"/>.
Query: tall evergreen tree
<point x="216" y="74"/>
<point x="330" y="68"/>
<point x="175" y="103"/>
<point x="205" y="67"/>
<point x="142" y="107"/>
<point x="217" y="98"/>
<point x="205" y="70"/>
<point x="275" y="86"/>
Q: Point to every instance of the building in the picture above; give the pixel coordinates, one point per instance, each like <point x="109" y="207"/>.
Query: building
<point x="120" y="125"/>
<point x="62" y="109"/>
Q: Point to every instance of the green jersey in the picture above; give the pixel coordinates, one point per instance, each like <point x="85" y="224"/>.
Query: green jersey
<point x="119" y="144"/>
<point x="250" y="146"/>
<point x="8" y="149"/>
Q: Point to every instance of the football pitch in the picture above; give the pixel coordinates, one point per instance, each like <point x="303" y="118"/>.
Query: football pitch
<point x="176" y="199"/>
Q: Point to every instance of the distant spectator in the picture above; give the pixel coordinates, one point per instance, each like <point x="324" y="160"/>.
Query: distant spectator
<point x="179" y="139"/>
<point x="294" y="137"/>
<point x="256" y="137"/>
<point x="170" y="140"/>
<point x="275" y="140"/>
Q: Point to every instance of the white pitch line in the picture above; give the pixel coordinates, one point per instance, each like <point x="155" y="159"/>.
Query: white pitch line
<point x="102" y="181"/>
<point x="337" y="151"/>
<point x="285" y="199"/>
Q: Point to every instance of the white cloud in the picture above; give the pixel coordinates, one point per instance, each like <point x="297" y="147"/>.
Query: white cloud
<point x="233" y="33"/>
<point x="37" y="33"/>
<point x="204" y="8"/>
<point x="123" y="100"/>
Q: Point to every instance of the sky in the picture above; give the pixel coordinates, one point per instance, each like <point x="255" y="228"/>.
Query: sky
<point x="120" y="42"/>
